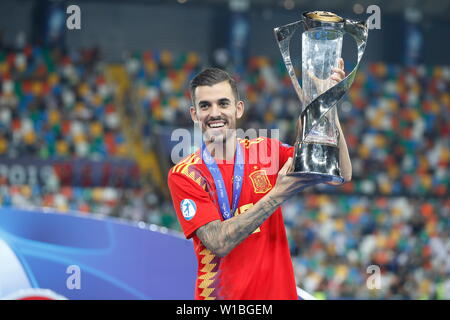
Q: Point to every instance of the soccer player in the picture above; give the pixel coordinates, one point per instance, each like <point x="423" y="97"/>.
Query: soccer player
<point x="228" y="200"/>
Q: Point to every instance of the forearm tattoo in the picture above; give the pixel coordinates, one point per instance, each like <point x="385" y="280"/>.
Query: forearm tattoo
<point x="221" y="237"/>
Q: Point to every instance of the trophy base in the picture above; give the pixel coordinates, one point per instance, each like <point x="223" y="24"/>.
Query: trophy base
<point x="317" y="161"/>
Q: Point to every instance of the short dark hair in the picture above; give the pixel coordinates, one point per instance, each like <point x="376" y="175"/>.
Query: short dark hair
<point x="210" y="77"/>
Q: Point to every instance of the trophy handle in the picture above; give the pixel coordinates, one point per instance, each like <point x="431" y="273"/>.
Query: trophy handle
<point x="283" y="36"/>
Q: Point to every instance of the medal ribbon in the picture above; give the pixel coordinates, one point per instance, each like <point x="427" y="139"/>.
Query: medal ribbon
<point x="238" y="174"/>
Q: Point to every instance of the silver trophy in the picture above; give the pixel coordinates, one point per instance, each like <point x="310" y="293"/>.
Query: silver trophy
<point x="316" y="148"/>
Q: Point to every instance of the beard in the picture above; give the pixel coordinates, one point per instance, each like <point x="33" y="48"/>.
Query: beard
<point x="218" y="137"/>
<point x="218" y="143"/>
<point x="218" y="134"/>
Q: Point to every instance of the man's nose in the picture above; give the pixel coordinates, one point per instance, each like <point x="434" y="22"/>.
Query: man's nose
<point x="215" y="110"/>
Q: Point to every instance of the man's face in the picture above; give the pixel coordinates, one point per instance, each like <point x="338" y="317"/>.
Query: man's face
<point x="216" y="110"/>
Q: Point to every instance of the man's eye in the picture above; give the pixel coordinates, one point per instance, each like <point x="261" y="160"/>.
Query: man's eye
<point x="204" y="106"/>
<point x="224" y="104"/>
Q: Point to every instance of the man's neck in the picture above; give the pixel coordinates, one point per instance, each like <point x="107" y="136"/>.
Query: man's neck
<point x="224" y="150"/>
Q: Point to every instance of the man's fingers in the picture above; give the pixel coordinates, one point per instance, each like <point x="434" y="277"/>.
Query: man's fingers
<point x="338" y="72"/>
<point x="335" y="79"/>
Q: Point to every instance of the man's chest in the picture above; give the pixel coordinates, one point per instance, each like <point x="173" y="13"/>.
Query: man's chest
<point x="256" y="182"/>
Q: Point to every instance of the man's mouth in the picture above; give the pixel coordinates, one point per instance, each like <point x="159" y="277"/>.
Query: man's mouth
<point x="216" y="124"/>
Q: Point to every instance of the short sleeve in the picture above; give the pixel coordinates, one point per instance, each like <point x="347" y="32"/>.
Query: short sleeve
<point x="193" y="205"/>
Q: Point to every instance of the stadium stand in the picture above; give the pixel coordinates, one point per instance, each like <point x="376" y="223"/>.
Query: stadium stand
<point x="395" y="212"/>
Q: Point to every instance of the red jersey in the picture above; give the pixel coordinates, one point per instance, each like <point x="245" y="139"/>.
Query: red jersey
<point x="260" y="267"/>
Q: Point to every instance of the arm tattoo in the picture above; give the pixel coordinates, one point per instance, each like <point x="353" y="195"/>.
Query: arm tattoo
<point x="221" y="237"/>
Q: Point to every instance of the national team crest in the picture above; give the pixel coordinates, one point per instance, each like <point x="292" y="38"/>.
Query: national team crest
<point x="260" y="181"/>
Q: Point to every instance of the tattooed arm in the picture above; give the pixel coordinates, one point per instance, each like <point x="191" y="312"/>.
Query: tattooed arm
<point x="220" y="237"/>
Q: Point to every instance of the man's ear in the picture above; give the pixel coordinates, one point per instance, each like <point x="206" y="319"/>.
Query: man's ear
<point x="239" y="109"/>
<point x="193" y="113"/>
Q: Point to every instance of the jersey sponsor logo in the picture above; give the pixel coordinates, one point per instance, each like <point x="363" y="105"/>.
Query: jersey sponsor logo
<point x="188" y="208"/>
<point x="260" y="181"/>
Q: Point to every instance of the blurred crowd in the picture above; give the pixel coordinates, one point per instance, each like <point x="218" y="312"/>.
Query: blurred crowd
<point x="58" y="105"/>
<point x="161" y="80"/>
<point x="135" y="204"/>
<point x="394" y="214"/>
<point x="338" y="241"/>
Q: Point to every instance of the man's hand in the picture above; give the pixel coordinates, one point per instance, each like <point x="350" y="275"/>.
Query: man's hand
<point x="288" y="186"/>
<point x="324" y="84"/>
<point x="338" y="73"/>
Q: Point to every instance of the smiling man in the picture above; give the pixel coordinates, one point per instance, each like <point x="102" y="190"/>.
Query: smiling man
<point x="229" y="205"/>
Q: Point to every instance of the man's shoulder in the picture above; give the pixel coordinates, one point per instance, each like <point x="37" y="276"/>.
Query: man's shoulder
<point x="187" y="170"/>
<point x="192" y="159"/>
